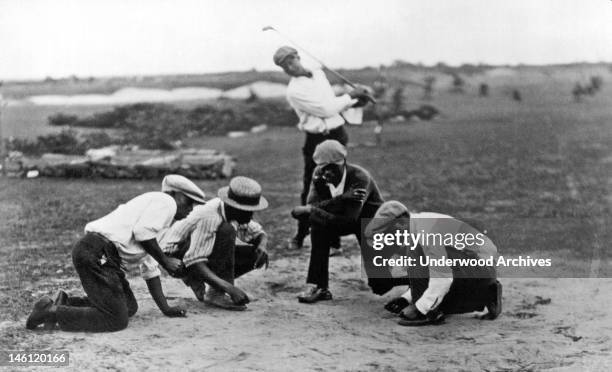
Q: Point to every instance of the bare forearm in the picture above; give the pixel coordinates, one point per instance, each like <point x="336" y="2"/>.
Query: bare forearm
<point x="152" y="247"/>
<point x="202" y="271"/>
<point x="155" y="288"/>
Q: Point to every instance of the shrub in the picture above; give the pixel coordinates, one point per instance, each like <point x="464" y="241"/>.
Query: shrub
<point x="159" y="125"/>
<point x="60" y="119"/>
<point x="64" y="142"/>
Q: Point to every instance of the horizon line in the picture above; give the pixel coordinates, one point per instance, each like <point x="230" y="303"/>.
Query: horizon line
<point x="4" y="80"/>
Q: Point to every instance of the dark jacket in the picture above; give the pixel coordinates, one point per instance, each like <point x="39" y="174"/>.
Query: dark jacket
<point x="342" y="212"/>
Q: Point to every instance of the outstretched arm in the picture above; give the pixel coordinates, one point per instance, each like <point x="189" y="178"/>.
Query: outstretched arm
<point x="155" y="288"/>
<point x="203" y="272"/>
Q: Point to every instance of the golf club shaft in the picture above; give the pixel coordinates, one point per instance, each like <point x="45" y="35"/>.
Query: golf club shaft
<point x="323" y="65"/>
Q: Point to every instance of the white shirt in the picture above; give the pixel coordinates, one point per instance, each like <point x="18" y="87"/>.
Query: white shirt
<point x="315" y="103"/>
<point x="338" y="190"/>
<point x="137" y="220"/>
<point x="201" y="226"/>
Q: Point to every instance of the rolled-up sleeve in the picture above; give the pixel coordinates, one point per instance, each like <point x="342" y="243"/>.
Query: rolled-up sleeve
<point x="155" y="217"/>
<point x="434" y="294"/>
<point x="177" y="233"/>
<point x="149" y="268"/>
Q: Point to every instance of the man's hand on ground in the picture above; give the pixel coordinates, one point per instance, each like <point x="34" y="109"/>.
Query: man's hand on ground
<point x="238" y="296"/>
<point x="175" y="312"/>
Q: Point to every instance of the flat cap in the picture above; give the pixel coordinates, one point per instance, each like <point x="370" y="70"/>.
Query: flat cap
<point x="175" y="182"/>
<point x="282" y="53"/>
<point x="329" y="151"/>
<point x="391" y="209"/>
<point x="388" y="214"/>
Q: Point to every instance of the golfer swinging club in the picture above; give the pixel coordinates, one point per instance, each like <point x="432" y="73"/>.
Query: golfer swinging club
<point x="321" y="116"/>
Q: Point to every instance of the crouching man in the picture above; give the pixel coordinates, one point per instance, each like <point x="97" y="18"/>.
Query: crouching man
<point x="219" y="242"/>
<point x="341" y="194"/>
<point x="434" y="290"/>
<point x="118" y="242"/>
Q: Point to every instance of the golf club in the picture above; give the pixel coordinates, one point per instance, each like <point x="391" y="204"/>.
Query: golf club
<point x="339" y="75"/>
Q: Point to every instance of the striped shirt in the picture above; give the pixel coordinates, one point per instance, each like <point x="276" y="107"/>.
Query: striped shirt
<point x="201" y="226"/>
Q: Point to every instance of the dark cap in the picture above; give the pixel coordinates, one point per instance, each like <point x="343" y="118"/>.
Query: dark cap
<point x="282" y="53"/>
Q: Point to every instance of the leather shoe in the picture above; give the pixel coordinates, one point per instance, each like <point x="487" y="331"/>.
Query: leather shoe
<point x="412" y="317"/>
<point x="61" y="298"/>
<point x="315" y="294"/>
<point x="494" y="306"/>
<point x="39" y="314"/>
<point x="216" y="298"/>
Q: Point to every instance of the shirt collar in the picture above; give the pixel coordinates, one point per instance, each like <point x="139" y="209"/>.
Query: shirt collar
<point x="222" y="210"/>
<point x="338" y="190"/>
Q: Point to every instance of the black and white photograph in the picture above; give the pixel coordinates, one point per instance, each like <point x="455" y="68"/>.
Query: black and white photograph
<point x="274" y="185"/>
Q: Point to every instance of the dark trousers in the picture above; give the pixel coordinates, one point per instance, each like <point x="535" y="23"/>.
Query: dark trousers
<point x="109" y="301"/>
<point x="227" y="260"/>
<point x="465" y="294"/>
<point x="310" y="144"/>
<point x="470" y="290"/>
<point x="322" y="238"/>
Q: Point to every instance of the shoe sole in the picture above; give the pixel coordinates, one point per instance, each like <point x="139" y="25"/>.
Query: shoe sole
<point x="422" y="322"/>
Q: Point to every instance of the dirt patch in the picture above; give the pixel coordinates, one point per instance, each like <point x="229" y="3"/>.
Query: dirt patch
<point x="568" y="326"/>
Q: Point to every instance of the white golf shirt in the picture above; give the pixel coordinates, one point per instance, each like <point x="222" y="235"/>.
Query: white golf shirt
<point x="137" y="220"/>
<point x="315" y="103"/>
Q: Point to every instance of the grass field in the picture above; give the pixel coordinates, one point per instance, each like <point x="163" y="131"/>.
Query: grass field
<point x="536" y="175"/>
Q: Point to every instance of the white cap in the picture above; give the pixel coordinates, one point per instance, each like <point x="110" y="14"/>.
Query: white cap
<point x="175" y="182"/>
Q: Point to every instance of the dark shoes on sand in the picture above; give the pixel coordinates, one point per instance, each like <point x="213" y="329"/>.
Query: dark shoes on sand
<point x="221" y="300"/>
<point x="315" y="294"/>
<point x="415" y="318"/>
<point x="41" y="312"/>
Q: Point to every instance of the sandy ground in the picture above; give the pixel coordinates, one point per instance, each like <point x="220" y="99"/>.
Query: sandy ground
<point x="547" y="324"/>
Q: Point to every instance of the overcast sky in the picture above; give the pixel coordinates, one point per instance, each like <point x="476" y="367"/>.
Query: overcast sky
<point x="133" y="37"/>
